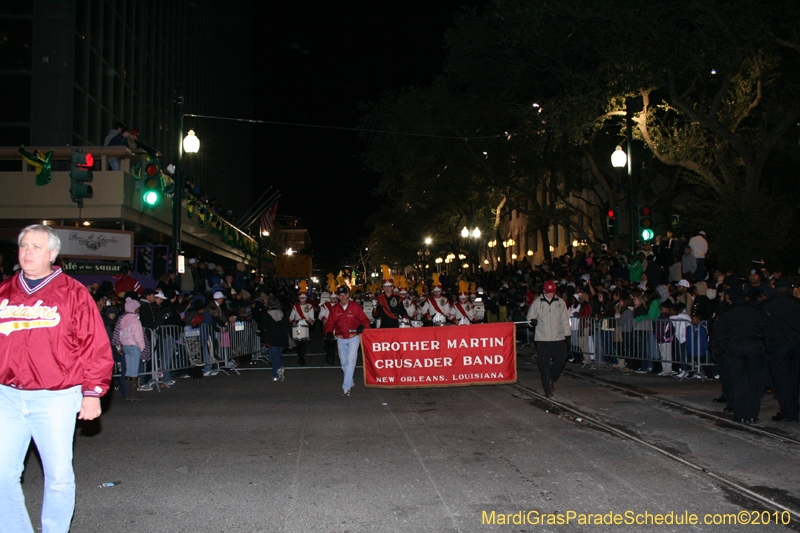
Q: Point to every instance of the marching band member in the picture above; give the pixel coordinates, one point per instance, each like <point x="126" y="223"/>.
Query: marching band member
<point x="330" y="293"/>
<point x="408" y="303"/>
<point x="324" y="314"/>
<point x="477" y="303"/>
<point x="462" y="312"/>
<point x="438" y="307"/>
<point x="389" y="308"/>
<point x="420" y="301"/>
<point x="302" y="315"/>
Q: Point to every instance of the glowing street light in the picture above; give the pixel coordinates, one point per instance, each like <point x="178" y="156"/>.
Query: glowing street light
<point x="191" y="144"/>
<point x="619" y="158"/>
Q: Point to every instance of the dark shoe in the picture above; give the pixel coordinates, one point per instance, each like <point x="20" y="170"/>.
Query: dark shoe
<point x="780" y="418"/>
<point x="728" y="410"/>
<point x="721" y="399"/>
<point x="548" y="393"/>
<point x="746" y="420"/>
<point x="552" y="385"/>
<point x="302" y="363"/>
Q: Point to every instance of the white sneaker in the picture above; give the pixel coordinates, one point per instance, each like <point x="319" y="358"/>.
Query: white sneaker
<point x="681" y="374"/>
<point x="146" y="387"/>
<point x="210" y="373"/>
<point x="281" y="372"/>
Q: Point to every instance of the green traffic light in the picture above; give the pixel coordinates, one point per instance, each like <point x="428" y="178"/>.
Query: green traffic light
<point x="647" y="234"/>
<point x="151" y="197"/>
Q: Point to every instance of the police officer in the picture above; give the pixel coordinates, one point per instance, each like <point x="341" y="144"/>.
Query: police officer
<point x="739" y="334"/>
<point x="784" y="359"/>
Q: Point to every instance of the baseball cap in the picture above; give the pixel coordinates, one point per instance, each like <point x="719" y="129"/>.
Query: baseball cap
<point x="148" y="292"/>
<point x="192" y="261"/>
<point x="343" y="289"/>
<point x="684" y="283"/>
<point x="218" y="295"/>
<point x="550" y="287"/>
<point x="160" y="294"/>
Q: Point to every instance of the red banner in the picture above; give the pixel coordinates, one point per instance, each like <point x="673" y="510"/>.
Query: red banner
<point x="446" y="356"/>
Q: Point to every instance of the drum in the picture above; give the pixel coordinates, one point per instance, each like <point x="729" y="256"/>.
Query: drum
<point x="416" y="323"/>
<point x="464" y="321"/>
<point x="439" y="319"/>
<point x="300" y="333"/>
<point x="480" y="310"/>
<point x="368" y="307"/>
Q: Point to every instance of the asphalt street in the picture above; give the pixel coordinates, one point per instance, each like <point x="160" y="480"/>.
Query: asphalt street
<point x="241" y="453"/>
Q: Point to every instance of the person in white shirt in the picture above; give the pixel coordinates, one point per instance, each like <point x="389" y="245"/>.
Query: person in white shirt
<point x="699" y="246"/>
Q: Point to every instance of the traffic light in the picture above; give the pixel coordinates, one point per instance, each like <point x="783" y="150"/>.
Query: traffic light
<point x="80" y="175"/>
<point x="612" y="222"/>
<point x="645" y="223"/>
<point x="151" y="177"/>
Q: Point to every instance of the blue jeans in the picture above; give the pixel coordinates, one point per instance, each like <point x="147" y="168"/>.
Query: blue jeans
<point x="133" y="357"/>
<point x="47" y="417"/>
<point x="348" y="355"/>
<point x="275" y="359"/>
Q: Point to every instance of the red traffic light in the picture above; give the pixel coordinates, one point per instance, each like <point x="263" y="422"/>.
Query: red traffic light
<point x="151" y="169"/>
<point x="610" y="213"/>
<point x="80" y="159"/>
<point x="644" y="211"/>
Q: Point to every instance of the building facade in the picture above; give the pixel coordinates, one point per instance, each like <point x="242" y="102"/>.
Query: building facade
<point x="70" y="69"/>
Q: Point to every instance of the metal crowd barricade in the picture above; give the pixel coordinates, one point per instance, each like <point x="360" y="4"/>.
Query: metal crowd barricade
<point x="237" y="340"/>
<point x="676" y="344"/>
<point x="178" y="348"/>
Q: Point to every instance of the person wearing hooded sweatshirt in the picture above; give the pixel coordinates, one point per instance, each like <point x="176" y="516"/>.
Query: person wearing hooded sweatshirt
<point x="129" y="337"/>
<point x="549" y="315"/>
<point x="275" y="331"/>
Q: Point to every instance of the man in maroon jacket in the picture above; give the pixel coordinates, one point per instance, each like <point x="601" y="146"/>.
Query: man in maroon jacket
<point x="346" y="322"/>
<point x="55" y="362"/>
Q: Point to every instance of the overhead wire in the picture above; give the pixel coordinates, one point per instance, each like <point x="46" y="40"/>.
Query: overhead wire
<point x="387" y="132"/>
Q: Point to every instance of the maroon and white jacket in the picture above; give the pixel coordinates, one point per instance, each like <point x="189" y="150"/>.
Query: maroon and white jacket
<point x="344" y="321"/>
<point x="52" y="336"/>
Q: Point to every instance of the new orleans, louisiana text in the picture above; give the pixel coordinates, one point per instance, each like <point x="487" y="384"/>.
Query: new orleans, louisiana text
<point x="629" y="518"/>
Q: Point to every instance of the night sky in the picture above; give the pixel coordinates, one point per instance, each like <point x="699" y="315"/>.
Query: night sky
<point x="313" y="65"/>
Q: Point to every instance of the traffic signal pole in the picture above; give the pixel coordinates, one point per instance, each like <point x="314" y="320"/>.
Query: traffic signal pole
<point x="177" y="194"/>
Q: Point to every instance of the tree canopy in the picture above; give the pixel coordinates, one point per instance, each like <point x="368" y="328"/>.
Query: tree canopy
<point x="533" y="100"/>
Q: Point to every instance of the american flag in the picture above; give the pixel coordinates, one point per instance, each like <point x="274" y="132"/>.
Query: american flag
<point x="268" y="219"/>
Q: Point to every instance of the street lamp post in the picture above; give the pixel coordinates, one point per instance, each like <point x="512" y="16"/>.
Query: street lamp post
<point x="190" y="144"/>
<point x="619" y="159"/>
<point x="473" y="235"/>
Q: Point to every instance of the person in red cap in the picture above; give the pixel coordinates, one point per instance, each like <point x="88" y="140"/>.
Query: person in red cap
<point x="346" y="322"/>
<point x="549" y="315"/>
